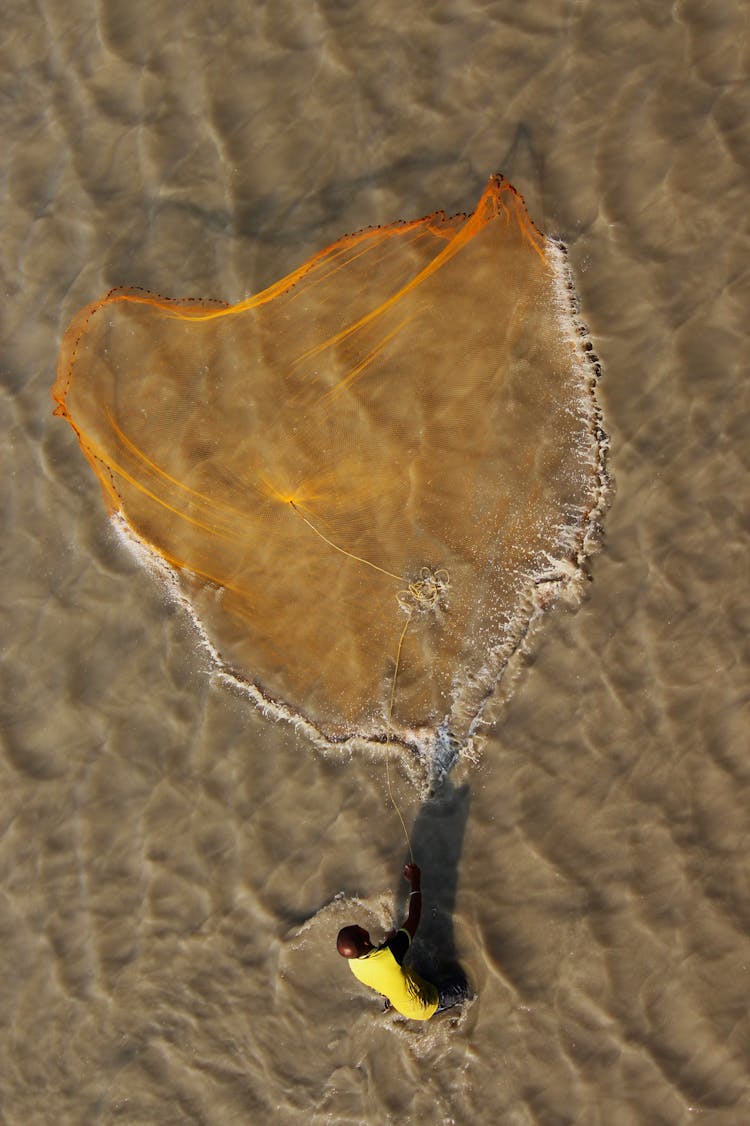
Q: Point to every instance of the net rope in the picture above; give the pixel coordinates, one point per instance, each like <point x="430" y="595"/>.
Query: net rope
<point x="420" y="594"/>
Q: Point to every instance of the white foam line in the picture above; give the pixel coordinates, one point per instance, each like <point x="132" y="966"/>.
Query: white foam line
<point x="148" y="558"/>
<point x="565" y="574"/>
<point x="557" y="575"/>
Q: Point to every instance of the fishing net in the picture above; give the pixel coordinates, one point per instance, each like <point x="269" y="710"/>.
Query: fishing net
<point x="383" y="458"/>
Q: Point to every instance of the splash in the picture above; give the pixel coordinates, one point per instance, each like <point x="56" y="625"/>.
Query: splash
<point x="402" y="432"/>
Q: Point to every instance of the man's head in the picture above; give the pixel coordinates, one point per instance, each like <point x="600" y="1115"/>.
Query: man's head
<point x="353" y="942"/>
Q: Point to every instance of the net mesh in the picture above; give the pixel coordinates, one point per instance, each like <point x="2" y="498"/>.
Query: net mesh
<point x="412" y="407"/>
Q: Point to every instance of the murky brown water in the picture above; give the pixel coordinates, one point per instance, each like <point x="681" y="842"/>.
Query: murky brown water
<point x="174" y="867"/>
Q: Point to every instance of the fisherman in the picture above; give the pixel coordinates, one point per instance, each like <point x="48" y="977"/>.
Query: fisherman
<point x="382" y="969"/>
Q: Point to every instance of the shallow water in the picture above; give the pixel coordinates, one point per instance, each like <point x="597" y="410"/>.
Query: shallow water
<point x="170" y="860"/>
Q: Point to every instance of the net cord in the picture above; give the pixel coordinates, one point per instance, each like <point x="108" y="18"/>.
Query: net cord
<point x="426" y="592"/>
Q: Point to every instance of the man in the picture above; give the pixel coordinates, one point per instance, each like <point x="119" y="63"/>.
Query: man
<point x="380" y="967"/>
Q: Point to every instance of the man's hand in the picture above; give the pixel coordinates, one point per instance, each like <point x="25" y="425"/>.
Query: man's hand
<point x="413" y="875"/>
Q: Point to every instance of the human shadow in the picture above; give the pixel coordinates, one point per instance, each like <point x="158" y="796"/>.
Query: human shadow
<point x="436" y="842"/>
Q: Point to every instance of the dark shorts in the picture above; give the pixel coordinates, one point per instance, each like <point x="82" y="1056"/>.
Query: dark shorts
<point x="452" y="990"/>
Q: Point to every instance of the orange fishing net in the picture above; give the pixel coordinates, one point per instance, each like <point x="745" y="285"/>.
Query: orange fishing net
<point x="403" y="429"/>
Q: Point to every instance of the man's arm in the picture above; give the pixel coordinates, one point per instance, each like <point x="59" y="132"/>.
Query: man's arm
<point x="414" y="876"/>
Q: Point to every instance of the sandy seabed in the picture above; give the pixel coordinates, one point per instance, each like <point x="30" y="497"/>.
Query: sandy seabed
<point x="173" y="866"/>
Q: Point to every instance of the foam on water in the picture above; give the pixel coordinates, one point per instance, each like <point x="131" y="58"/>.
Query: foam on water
<point x="557" y="570"/>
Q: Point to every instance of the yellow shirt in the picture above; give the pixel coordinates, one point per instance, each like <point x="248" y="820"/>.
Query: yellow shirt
<point x="409" y="994"/>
